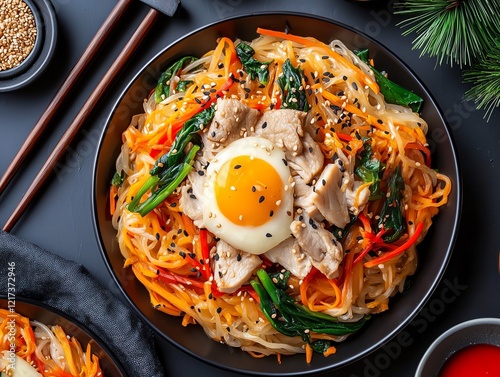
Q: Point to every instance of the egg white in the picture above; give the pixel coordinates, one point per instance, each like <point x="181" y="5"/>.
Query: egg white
<point x="252" y="239"/>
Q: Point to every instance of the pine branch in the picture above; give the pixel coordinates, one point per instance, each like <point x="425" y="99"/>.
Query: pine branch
<point x="454" y="31"/>
<point x="485" y="77"/>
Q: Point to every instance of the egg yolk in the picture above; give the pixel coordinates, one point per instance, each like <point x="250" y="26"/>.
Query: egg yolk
<point x="248" y="190"/>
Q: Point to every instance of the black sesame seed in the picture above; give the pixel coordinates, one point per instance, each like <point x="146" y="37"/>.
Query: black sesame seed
<point x="261" y="199"/>
<point x="172" y="244"/>
<point x="264" y="125"/>
<point x="325" y="57"/>
<point x="379" y="121"/>
<point x="192" y="196"/>
<point x="271" y="213"/>
<point x="344" y="78"/>
<point x="355" y="86"/>
<point x="323" y="182"/>
<point x="238" y="258"/>
<point x="210" y="296"/>
<point x="182" y="254"/>
<point x="269" y="235"/>
<point x="285" y="162"/>
<point x="186" y="233"/>
<point x="311" y="149"/>
<point x="201" y="173"/>
<point x="237" y="166"/>
<point x="157" y="236"/>
<point x="219" y="309"/>
<point x="174" y="204"/>
<point x="254" y="189"/>
<point x="221" y="65"/>
<point x="197" y="100"/>
<point x="301" y="218"/>
<point x="216" y="257"/>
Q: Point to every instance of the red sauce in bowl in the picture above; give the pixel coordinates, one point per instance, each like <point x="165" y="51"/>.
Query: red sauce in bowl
<point x="478" y="360"/>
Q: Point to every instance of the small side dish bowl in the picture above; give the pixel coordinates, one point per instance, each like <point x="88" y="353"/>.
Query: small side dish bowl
<point x="43" y="49"/>
<point x="473" y="332"/>
<point x="49" y="316"/>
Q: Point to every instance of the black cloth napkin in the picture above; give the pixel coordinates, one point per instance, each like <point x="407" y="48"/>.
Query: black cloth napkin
<point x="69" y="287"/>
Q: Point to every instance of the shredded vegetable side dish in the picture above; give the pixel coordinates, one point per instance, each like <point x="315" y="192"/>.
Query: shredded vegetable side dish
<point x="274" y="192"/>
<point x="33" y="349"/>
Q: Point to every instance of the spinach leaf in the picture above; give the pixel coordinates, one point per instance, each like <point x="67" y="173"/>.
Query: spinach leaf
<point x="292" y="90"/>
<point x="370" y="169"/>
<point x="391" y="215"/>
<point x="118" y="179"/>
<point x="172" y="167"/>
<point x="253" y="67"/>
<point x="292" y="319"/>
<point x="164" y="82"/>
<point x="393" y="93"/>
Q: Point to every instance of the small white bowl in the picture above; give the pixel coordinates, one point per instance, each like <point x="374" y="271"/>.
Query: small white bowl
<point x="475" y="331"/>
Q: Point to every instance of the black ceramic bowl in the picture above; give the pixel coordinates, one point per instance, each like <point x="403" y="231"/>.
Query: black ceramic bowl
<point x="45" y="314"/>
<point x="436" y="249"/>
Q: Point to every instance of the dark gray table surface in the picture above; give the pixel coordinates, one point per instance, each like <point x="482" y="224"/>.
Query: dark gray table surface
<point x="60" y="220"/>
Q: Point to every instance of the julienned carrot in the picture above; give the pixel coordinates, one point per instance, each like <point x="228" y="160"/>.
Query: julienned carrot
<point x="312" y="42"/>
<point x="309" y="353"/>
<point x="394" y="253"/>
<point x="112" y="199"/>
<point x="330" y="351"/>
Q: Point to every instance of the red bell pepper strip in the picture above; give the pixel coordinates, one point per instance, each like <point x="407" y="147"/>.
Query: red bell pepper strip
<point x="366" y="222"/>
<point x="343" y="137"/>
<point x="168" y="277"/>
<point x="426" y="151"/>
<point x="397" y="251"/>
<point x="372" y="241"/>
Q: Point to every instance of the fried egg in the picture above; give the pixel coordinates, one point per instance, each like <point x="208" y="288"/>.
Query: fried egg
<point x="248" y="195"/>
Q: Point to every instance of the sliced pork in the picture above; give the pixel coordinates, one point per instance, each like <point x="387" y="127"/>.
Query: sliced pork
<point x="326" y="254"/>
<point x="289" y="254"/>
<point x="284" y="127"/>
<point x="232" y="267"/>
<point x="328" y="197"/>
<point x="309" y="163"/>
<point x="229" y="119"/>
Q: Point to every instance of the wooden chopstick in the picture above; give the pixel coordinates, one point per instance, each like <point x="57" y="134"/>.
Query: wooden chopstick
<point x="77" y="72"/>
<point x="82" y="116"/>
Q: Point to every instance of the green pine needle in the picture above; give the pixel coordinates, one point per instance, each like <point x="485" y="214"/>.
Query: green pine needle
<point x="485" y="77"/>
<point x="454" y="31"/>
